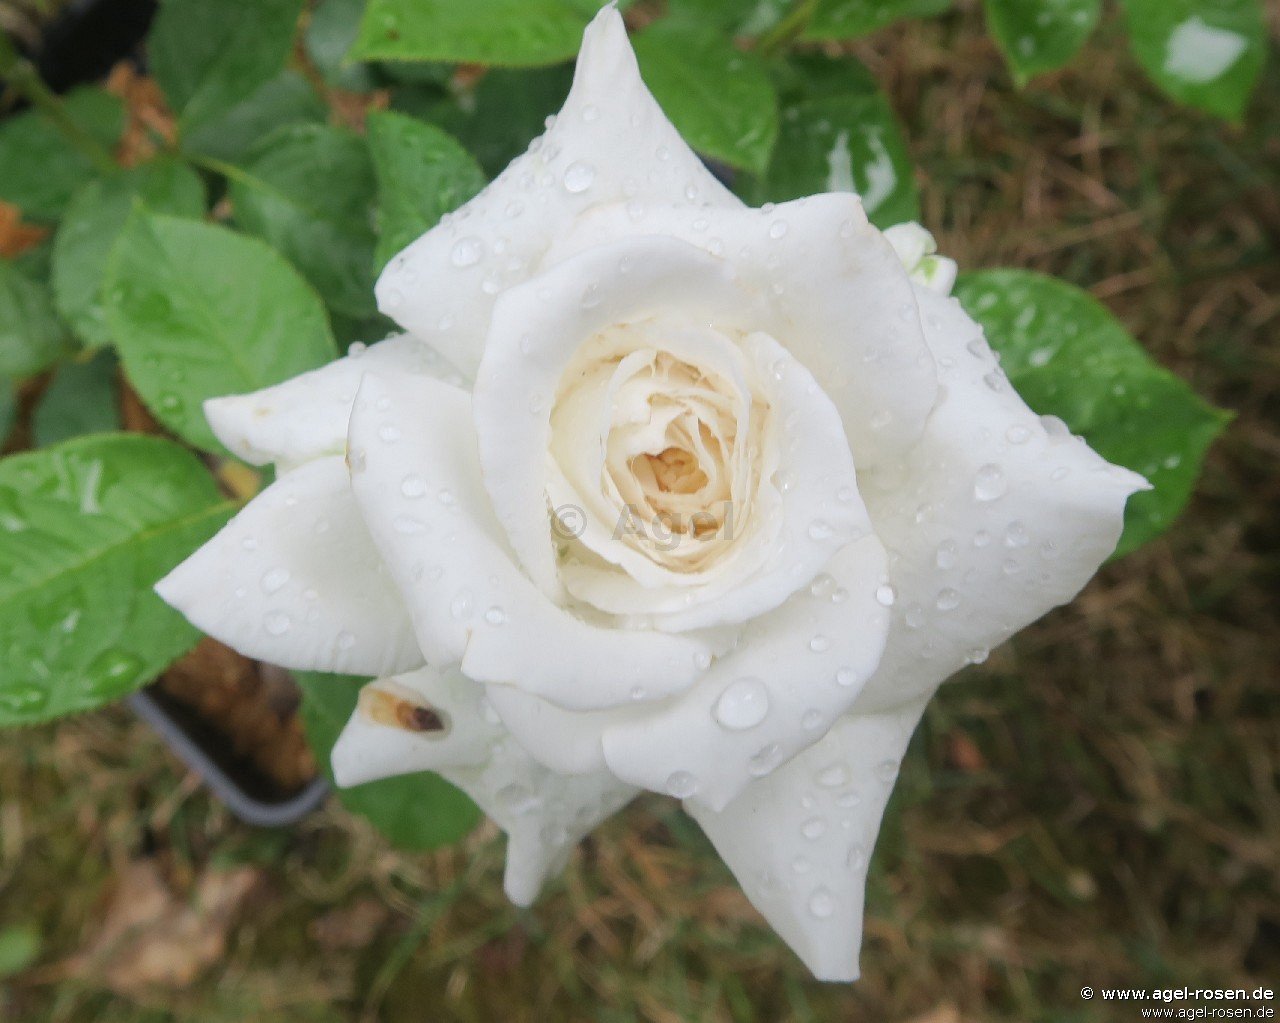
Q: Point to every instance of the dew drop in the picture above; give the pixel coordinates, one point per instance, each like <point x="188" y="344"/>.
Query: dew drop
<point x="948" y="599"/>
<point x="413" y="486"/>
<point x="495" y="616"/>
<point x="461" y="605"/>
<point x="813" y="828"/>
<point x="834" y="777"/>
<point x="946" y="556"/>
<point x="276" y="623"/>
<point x="467" y="251"/>
<point x="886" y="595"/>
<point x="819" y="644"/>
<point x="578" y="177"/>
<point x="1017" y="435"/>
<point x="846" y="676"/>
<point x="743" y="704"/>
<point x="989" y="483"/>
<point x="681" y="784"/>
<point x="821" y="904"/>
<point x="812" y="720"/>
<point x="777" y="229"/>
<point x="274" y="580"/>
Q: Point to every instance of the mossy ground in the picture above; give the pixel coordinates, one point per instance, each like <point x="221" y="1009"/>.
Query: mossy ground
<point x="1098" y="804"/>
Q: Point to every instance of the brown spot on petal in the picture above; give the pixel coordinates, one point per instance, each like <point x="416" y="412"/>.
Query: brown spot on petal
<point x="396" y="711"/>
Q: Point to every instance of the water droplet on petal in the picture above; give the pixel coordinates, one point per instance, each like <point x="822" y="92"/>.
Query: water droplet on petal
<point x="821" y="904"/>
<point x="276" y="623"/>
<point x="274" y="580"/>
<point x="578" y="177"/>
<point x="743" y="704"/>
<point x="886" y="595"/>
<point x="989" y="483"/>
<point x="682" y="784"/>
<point x="467" y="251"/>
<point x="948" y="599"/>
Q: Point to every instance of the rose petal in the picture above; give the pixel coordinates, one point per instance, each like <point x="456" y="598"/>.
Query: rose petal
<point x="832" y="291"/>
<point x="544" y="814"/>
<point x="800" y="840"/>
<point x="990" y="522"/>
<point x="565" y="742"/>
<point x="793" y="673"/>
<point x="416" y="476"/>
<point x="294" y="580"/>
<point x="306" y="417"/>
<point x="610" y="142"/>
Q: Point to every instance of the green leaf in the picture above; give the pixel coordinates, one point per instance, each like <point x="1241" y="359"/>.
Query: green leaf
<point x="94" y="219"/>
<point x="39" y="167"/>
<point x="86" y="530"/>
<point x="84" y="397"/>
<point x="286" y="99"/>
<point x="732" y="16"/>
<point x="31" y="335"/>
<point x="415" y="812"/>
<point x="209" y="55"/>
<point x="848" y="19"/>
<point x="422" y="174"/>
<point x="308" y="189"/>
<point x="1040" y="35"/>
<point x="1069" y="357"/>
<point x="721" y="99"/>
<point x="1207" y="53"/>
<point x="198" y="311"/>
<point x="19" y="947"/>
<point x="511" y="32"/>
<point x="502" y="115"/>
<point x="840" y="142"/>
<point x="331" y="32"/>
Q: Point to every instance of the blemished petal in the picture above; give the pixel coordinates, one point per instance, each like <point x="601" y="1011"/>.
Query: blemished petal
<point x="295" y="580"/>
<point x="610" y="143"/>
<point x="799" y="841"/>
<point x="416" y="476"/>
<point x="537" y="328"/>
<point x="432" y="720"/>
<point x="996" y="517"/>
<point x="424" y="720"/>
<point x="793" y="673"/>
<point x="306" y="417"/>
<point x="832" y="291"/>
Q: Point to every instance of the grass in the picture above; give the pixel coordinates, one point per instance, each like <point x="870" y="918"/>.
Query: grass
<point x="1098" y="804"/>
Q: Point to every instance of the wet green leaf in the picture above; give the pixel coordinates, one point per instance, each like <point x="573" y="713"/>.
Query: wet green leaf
<point x="39" y="167"/>
<point x="94" y="218"/>
<point x="1069" y="357"/>
<point x="84" y="397"/>
<point x="86" y="529"/>
<point x="209" y="55"/>
<point x="848" y="19"/>
<point x="719" y="98"/>
<point x="198" y="311"/>
<point x="415" y="812"/>
<point x="422" y="174"/>
<point x="504" y="113"/>
<point x="308" y="189"/>
<point x="331" y="32"/>
<point x="846" y="140"/>
<point x="510" y="32"/>
<point x="286" y="99"/>
<point x="1040" y="35"/>
<point x="1207" y="53"/>
<point x="32" y="337"/>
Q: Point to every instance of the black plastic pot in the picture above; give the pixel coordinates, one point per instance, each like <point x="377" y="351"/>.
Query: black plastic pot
<point x="249" y="795"/>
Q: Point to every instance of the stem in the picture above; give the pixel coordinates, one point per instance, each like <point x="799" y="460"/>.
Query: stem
<point x="21" y="76"/>
<point x="788" y="29"/>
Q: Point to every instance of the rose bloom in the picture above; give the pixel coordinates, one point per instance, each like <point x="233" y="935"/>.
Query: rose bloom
<point x="656" y="491"/>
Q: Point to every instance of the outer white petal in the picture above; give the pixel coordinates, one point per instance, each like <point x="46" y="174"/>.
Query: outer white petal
<point x="799" y="841"/>
<point x="563" y="741"/>
<point x="294" y="580"/>
<point x="794" y="672"/>
<point x="611" y="142"/>
<point x="831" y="289"/>
<point x="544" y="814"/>
<point x="384" y="737"/>
<point x="306" y="417"/>
<point x="416" y="476"/>
<point x="993" y="519"/>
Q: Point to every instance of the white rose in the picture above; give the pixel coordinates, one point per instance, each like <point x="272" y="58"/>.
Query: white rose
<point x="657" y="491"/>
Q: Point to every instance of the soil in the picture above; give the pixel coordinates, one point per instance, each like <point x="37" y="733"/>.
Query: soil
<point x="252" y="706"/>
